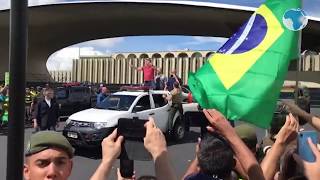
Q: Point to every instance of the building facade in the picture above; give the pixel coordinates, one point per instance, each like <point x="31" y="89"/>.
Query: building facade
<point x="61" y="76"/>
<point x="115" y="69"/>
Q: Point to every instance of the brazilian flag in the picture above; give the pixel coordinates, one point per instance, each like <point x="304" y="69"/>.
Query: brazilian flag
<point x="243" y="79"/>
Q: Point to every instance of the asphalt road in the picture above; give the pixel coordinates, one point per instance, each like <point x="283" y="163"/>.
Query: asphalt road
<point x="87" y="160"/>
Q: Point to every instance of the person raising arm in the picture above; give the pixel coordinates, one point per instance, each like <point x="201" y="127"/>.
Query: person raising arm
<point x="220" y="124"/>
<point x="155" y="143"/>
<point x="111" y="149"/>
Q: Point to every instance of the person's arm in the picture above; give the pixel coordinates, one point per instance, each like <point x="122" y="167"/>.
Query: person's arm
<point x="194" y="166"/>
<point x="34" y="114"/>
<point x="172" y="93"/>
<point x="111" y="149"/>
<point x="155" y="143"/>
<point x="38" y="111"/>
<point x="176" y="78"/>
<point x="286" y="134"/>
<point x="192" y="169"/>
<point x="315" y="122"/>
<point x="57" y="112"/>
<point x="239" y="169"/>
<point x="241" y="151"/>
<point x="136" y="68"/>
<point x="311" y="119"/>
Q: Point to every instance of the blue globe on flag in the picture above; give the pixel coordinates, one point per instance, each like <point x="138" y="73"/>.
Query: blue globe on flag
<point x="295" y="19"/>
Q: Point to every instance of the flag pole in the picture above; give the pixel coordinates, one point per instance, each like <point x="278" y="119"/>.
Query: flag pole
<point x="298" y="63"/>
<point x="17" y="83"/>
<point x="298" y="68"/>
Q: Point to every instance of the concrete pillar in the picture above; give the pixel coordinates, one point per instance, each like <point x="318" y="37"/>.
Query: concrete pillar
<point x="107" y="77"/>
<point x="317" y="63"/>
<point x="135" y="72"/>
<point x="140" y="74"/>
<point x="185" y="68"/>
<point x="112" y="72"/>
<point x="179" y="67"/>
<point x="80" y="70"/>
<point x="194" y="64"/>
<point x="95" y="70"/>
<point x="124" y="71"/>
<point x="74" y="70"/>
<point x="100" y="72"/>
<point x="85" y="69"/>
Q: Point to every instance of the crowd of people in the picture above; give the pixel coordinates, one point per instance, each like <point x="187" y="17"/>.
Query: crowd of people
<point x="224" y="153"/>
<point x="4" y="105"/>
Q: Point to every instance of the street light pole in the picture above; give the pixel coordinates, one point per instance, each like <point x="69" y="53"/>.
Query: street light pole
<point x="17" y="83"/>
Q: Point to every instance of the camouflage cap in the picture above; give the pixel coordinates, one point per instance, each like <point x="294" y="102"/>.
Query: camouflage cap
<point x="43" y="140"/>
<point x="248" y="134"/>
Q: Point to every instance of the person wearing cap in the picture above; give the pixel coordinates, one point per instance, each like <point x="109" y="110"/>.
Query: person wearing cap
<point x="48" y="155"/>
<point x="248" y="135"/>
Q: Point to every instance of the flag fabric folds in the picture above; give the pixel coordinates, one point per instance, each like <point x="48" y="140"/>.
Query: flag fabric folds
<point x="243" y="79"/>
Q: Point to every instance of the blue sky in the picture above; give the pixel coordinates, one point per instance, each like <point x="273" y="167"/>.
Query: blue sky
<point x="61" y="60"/>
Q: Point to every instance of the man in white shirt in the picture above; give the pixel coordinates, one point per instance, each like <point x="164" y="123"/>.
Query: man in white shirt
<point x="48" y="111"/>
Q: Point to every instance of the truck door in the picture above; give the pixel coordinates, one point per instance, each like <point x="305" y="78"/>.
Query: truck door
<point x="142" y="109"/>
<point x="161" y="111"/>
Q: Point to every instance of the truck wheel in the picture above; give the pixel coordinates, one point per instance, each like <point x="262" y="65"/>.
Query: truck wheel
<point x="178" y="131"/>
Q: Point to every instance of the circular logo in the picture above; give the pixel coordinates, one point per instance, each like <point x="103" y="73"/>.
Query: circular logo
<point x="295" y="19"/>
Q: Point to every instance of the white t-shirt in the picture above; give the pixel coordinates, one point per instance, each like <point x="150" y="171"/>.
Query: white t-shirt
<point x="48" y="102"/>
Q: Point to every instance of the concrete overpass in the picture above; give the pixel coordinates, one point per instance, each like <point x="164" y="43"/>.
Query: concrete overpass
<point x="53" y="27"/>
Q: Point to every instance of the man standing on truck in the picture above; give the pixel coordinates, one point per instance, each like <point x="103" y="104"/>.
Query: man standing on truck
<point x="172" y="79"/>
<point x="176" y="98"/>
<point x="148" y="73"/>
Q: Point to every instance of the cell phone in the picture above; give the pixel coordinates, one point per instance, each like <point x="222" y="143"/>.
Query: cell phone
<point x="126" y="168"/>
<point x="304" y="149"/>
<point x="132" y="129"/>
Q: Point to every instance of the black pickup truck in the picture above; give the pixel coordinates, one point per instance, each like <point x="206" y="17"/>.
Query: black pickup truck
<point x="72" y="99"/>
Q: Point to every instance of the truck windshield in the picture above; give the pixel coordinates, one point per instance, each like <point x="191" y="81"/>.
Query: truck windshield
<point x="117" y="102"/>
<point x="61" y="94"/>
<point x="286" y="95"/>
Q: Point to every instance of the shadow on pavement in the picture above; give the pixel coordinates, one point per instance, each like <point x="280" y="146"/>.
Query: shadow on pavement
<point x="91" y="153"/>
<point x="190" y="137"/>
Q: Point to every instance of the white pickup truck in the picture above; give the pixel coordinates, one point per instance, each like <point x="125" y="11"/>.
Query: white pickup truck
<point x="89" y="127"/>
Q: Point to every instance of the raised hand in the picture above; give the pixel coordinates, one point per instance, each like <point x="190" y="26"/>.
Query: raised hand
<point x="154" y="140"/>
<point x="111" y="147"/>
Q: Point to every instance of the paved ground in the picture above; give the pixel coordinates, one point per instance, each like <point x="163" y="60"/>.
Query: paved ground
<point x="87" y="160"/>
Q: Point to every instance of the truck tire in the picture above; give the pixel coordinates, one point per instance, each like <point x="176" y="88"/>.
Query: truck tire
<point x="178" y="131"/>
